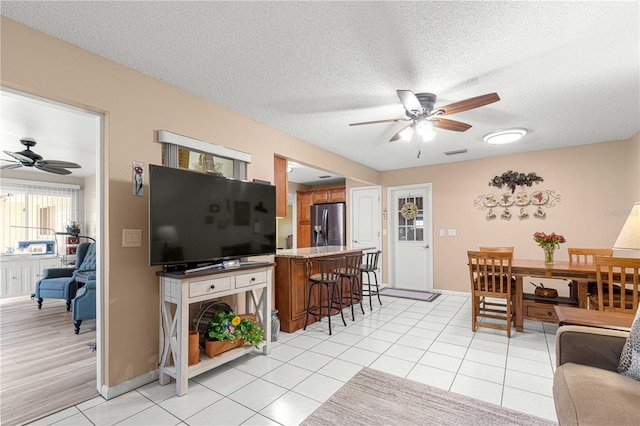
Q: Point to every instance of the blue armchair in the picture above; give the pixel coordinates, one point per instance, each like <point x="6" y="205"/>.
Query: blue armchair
<point x="60" y="283"/>
<point x="84" y="304"/>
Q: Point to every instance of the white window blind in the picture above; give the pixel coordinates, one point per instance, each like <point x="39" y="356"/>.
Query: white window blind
<point x="36" y="211"/>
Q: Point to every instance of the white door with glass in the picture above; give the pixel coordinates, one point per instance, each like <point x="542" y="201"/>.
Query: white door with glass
<point x="410" y="237"/>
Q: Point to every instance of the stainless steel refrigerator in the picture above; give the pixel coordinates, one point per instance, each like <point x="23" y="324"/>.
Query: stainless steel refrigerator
<point x="328" y="225"/>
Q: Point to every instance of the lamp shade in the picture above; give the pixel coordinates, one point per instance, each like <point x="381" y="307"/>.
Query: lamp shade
<point x="629" y="237"/>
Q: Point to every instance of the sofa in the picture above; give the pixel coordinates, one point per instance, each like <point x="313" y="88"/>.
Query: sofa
<point x="587" y="388"/>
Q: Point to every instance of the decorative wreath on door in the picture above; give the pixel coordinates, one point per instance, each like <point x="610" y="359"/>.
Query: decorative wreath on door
<point x="409" y="211"/>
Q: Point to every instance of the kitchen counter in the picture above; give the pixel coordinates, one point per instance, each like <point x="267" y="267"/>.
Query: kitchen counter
<point x="293" y="268"/>
<point x="311" y="252"/>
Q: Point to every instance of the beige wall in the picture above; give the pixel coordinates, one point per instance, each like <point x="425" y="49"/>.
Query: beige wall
<point x="594" y="182"/>
<point x="135" y="107"/>
<point x="633" y="161"/>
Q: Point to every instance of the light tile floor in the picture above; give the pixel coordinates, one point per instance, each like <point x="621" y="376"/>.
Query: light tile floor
<point x="426" y="342"/>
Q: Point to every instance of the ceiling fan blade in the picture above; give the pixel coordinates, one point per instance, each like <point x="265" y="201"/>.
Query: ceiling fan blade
<point x="18" y="156"/>
<point x="410" y="101"/>
<point x="456" y="126"/>
<point x="470" y="103"/>
<point x="64" y="164"/>
<point x="397" y="135"/>
<point x="390" y="120"/>
<point x="56" y="170"/>
<point x="11" y="166"/>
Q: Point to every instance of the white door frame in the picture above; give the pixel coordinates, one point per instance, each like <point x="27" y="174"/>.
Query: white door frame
<point x="391" y="230"/>
<point x="377" y="215"/>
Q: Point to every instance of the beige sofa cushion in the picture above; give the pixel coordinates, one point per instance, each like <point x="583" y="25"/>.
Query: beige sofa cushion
<point x="592" y="396"/>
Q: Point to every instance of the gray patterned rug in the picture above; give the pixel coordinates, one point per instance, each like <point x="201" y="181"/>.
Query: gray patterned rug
<point x="426" y="296"/>
<point x="372" y="397"/>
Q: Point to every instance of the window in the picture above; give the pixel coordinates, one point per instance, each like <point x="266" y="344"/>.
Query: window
<point x="192" y="154"/>
<point x="410" y="219"/>
<point x="36" y="211"/>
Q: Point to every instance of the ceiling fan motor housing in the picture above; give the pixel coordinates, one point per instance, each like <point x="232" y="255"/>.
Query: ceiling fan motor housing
<point x="427" y="100"/>
<point x="27" y="152"/>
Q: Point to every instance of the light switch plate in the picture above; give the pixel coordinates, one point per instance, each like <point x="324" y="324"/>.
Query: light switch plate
<point x="442" y="234"/>
<point x="132" y="238"/>
<point x="453" y="232"/>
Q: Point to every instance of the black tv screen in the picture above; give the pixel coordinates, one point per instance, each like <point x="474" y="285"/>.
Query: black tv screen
<point x="197" y="218"/>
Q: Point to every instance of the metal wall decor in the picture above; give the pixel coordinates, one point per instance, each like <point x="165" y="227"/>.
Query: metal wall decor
<point x="522" y="203"/>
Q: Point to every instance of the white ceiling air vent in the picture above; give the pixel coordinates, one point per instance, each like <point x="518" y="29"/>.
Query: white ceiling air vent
<point x="457" y="151"/>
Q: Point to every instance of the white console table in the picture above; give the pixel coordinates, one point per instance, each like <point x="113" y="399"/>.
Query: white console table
<point x="179" y="290"/>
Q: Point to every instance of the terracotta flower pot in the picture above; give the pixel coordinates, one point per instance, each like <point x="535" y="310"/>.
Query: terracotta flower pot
<point x="194" y="347"/>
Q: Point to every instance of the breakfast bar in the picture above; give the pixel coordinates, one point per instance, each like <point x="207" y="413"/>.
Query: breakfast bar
<point x="293" y="268"/>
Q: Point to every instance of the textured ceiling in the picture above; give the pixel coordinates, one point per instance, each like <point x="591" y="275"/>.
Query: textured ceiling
<point x="567" y="71"/>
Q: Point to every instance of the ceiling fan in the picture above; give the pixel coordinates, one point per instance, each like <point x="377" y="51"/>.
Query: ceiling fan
<point x="28" y="158"/>
<point x="422" y="113"/>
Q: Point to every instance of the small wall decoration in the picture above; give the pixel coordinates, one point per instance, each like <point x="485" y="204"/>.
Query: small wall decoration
<point x="138" y="178"/>
<point x="409" y="210"/>
<point x="512" y="179"/>
<point x="500" y="205"/>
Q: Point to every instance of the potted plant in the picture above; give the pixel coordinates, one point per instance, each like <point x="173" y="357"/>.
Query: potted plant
<point x="228" y="330"/>
<point x="73" y="228"/>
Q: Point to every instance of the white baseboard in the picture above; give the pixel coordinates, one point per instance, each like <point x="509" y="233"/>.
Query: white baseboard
<point x="129" y="385"/>
<point x="453" y="293"/>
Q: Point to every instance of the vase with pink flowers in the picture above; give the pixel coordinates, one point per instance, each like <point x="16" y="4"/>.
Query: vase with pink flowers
<point x="549" y="244"/>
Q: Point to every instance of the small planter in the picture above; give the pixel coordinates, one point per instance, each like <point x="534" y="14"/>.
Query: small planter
<point x="194" y="347"/>
<point x="215" y="347"/>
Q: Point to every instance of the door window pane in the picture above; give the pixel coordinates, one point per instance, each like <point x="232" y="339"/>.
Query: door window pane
<point x="410" y="219"/>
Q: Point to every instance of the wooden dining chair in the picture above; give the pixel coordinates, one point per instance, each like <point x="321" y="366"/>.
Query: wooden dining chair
<point x="498" y="249"/>
<point x="618" y="284"/>
<point x="492" y="291"/>
<point x="585" y="255"/>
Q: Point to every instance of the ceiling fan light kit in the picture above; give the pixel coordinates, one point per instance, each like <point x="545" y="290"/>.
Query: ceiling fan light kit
<point x="501" y="137"/>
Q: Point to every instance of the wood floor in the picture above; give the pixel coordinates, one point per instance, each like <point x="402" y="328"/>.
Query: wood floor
<point x="44" y="366"/>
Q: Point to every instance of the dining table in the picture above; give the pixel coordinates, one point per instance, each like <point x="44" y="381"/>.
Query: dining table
<point x="580" y="273"/>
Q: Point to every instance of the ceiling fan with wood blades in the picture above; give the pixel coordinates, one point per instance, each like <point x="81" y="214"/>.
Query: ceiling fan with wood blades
<point x="420" y="110"/>
<point x="28" y="158"/>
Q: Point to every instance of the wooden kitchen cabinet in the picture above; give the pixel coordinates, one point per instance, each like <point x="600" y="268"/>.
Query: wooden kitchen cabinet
<point x="292" y="276"/>
<point x="281" y="179"/>
<point x="304" y="219"/>
<point x="293" y="268"/>
<point x="329" y="195"/>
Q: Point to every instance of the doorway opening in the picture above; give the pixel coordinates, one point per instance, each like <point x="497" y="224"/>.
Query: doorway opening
<point x="68" y="133"/>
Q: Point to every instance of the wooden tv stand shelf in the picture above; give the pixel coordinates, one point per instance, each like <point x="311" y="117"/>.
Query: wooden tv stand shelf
<point x="179" y="290"/>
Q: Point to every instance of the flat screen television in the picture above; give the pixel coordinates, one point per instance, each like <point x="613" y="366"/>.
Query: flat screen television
<point x="197" y="219"/>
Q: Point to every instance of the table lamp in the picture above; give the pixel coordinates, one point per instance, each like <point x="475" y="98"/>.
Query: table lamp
<point x="629" y="237"/>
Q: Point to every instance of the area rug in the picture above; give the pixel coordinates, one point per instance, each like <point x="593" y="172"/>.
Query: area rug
<point x="372" y="397"/>
<point x="426" y="296"/>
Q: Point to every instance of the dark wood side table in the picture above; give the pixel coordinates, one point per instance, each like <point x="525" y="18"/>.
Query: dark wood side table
<point x="592" y="318"/>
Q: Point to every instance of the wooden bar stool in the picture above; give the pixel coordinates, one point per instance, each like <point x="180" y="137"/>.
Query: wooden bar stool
<point x="351" y="271"/>
<point x="328" y="277"/>
<point x="370" y="266"/>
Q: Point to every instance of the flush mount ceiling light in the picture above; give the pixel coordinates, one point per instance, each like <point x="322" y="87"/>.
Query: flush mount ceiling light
<point x="504" y="136"/>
